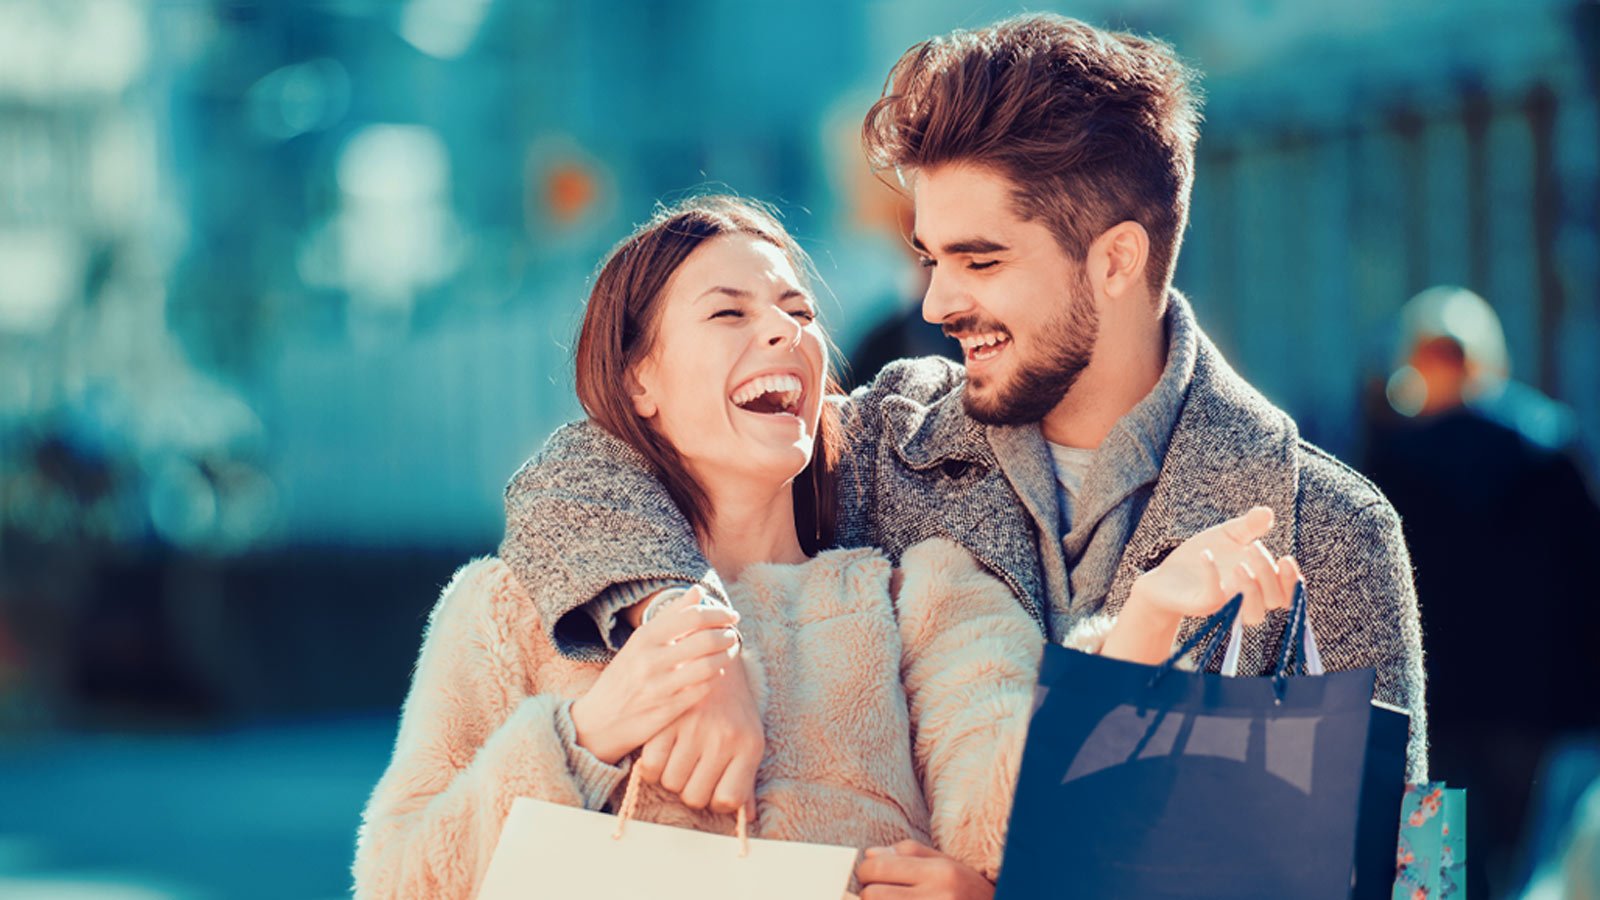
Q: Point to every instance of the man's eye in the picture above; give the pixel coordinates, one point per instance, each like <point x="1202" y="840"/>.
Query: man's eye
<point x="729" y="313"/>
<point x="983" y="265"/>
<point x="925" y="261"/>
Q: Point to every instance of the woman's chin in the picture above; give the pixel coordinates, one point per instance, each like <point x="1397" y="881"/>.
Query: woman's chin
<point x="763" y="463"/>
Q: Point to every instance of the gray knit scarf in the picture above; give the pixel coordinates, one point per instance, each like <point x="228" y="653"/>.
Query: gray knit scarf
<point x="1120" y="480"/>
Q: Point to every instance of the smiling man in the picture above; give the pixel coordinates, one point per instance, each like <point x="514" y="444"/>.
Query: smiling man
<point x="1093" y="428"/>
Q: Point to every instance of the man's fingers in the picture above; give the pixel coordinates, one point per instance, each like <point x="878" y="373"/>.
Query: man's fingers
<point x="1289" y="577"/>
<point x="653" y="758"/>
<point x="695" y="673"/>
<point x="703" y="781"/>
<point x="708" y="643"/>
<point x="684" y="614"/>
<point x="889" y="868"/>
<point x="1251" y="526"/>
<point x="677" y="625"/>
<point x="1251" y="611"/>
<point x="1268" y="578"/>
<point x="886" y="892"/>
<point x="737" y="786"/>
<point x="680" y="765"/>
<point x="912" y="848"/>
<point x="1216" y="574"/>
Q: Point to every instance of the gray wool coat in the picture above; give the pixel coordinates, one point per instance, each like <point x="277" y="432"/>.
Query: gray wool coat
<point x="589" y="529"/>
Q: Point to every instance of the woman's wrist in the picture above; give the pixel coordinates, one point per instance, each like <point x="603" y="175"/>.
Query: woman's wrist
<point x="640" y="612"/>
<point x="590" y="736"/>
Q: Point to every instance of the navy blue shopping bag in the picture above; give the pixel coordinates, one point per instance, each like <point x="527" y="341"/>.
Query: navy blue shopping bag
<point x="1148" y="782"/>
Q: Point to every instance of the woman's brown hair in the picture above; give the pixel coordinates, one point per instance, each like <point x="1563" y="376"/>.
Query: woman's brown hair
<point x="619" y="330"/>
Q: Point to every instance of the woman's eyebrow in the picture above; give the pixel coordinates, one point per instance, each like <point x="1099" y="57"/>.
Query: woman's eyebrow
<point x="740" y="294"/>
<point x="735" y="293"/>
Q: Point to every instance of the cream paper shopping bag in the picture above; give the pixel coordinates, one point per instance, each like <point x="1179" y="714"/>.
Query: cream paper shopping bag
<point x="551" y="851"/>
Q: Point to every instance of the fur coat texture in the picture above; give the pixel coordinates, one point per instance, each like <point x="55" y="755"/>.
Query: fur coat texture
<point x="888" y="715"/>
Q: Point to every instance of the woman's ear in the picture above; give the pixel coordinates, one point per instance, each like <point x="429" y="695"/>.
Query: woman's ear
<point x="644" y="403"/>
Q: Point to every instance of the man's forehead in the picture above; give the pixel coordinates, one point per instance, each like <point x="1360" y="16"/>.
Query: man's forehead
<point x="963" y="204"/>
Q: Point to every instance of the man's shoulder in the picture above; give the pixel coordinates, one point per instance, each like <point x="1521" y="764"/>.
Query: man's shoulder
<point x="580" y="449"/>
<point x="924" y="380"/>
<point x="1332" y="493"/>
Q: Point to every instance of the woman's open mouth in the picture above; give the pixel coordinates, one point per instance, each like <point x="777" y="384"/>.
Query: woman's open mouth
<point x="770" y="395"/>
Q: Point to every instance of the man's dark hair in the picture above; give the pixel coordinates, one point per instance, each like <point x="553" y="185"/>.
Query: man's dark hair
<point x="1091" y="127"/>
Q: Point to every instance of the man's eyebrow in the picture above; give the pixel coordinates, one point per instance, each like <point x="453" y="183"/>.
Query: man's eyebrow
<point x="972" y="246"/>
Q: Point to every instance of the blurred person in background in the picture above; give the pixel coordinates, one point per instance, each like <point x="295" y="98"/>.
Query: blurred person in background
<point x="1563" y="836"/>
<point x="902" y="332"/>
<point x="1482" y="468"/>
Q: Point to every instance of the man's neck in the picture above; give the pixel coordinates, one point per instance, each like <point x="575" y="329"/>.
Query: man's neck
<point x="1129" y="357"/>
<point x="750" y="527"/>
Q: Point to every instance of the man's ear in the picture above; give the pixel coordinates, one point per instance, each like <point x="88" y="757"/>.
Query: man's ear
<point x="644" y="403"/>
<point x="1117" y="259"/>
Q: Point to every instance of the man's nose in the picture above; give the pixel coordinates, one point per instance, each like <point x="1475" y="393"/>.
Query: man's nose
<point x="943" y="300"/>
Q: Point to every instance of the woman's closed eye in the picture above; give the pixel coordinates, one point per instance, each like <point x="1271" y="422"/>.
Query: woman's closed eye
<point x="731" y="312"/>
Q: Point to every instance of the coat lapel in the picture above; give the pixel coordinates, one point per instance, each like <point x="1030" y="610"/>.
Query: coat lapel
<point x="1023" y="457"/>
<point x="1231" y="450"/>
<point x="971" y="496"/>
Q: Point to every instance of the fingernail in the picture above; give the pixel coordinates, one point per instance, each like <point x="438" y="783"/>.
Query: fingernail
<point x="874" y="851"/>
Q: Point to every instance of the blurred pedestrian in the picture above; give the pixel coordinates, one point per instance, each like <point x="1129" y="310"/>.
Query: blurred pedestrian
<point x="1486" y="475"/>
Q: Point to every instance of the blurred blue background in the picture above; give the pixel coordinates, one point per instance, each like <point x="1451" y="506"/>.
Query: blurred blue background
<point x="287" y="292"/>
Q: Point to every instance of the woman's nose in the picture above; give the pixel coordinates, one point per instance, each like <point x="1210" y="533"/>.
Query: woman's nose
<point x="781" y="328"/>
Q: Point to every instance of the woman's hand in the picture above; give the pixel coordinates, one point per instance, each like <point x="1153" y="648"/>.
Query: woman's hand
<point x="1199" y="578"/>
<point x="910" y="870"/>
<point x="667" y="666"/>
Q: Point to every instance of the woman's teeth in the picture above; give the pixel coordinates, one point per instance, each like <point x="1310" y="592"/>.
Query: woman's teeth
<point x="769" y="394"/>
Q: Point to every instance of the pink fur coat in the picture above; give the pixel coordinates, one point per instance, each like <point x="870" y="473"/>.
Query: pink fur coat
<point x="888" y="715"/>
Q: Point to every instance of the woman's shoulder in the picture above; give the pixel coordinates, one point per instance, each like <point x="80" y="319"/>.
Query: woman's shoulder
<point x="483" y="586"/>
<point x="484" y="601"/>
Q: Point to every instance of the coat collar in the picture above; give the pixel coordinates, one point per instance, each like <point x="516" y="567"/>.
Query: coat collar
<point x="1231" y="449"/>
<point x="946" y="434"/>
<point x="943" y="431"/>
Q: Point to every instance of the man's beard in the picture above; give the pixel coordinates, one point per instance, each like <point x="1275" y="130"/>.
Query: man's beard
<point x="1039" y="381"/>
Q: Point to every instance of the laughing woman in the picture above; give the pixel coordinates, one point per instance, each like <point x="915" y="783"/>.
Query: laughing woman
<point x="701" y="359"/>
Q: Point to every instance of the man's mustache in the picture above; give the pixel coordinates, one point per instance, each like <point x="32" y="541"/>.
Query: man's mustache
<point x="958" y="328"/>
